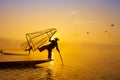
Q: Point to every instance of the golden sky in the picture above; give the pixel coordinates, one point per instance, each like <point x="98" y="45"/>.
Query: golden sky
<point x="76" y="20"/>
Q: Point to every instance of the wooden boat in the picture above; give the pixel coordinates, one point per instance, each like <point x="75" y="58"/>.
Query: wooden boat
<point x="29" y="63"/>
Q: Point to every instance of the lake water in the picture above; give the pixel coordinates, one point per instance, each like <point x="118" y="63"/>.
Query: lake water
<point x="82" y="63"/>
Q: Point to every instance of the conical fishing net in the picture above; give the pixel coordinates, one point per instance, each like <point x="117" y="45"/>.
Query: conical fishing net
<point x="37" y="39"/>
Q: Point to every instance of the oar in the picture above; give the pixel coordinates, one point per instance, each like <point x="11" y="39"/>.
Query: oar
<point x="61" y="58"/>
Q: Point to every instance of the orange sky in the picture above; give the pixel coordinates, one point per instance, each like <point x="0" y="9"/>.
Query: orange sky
<point x="76" y="21"/>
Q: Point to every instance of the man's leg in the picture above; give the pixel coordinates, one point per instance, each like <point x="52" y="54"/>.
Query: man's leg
<point x="49" y="54"/>
<point x="42" y="48"/>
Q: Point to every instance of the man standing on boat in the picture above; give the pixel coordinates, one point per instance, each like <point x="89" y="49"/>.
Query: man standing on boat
<point x="50" y="46"/>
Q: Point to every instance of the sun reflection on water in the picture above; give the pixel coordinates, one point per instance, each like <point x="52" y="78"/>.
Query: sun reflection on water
<point x="52" y="62"/>
<point x="52" y="55"/>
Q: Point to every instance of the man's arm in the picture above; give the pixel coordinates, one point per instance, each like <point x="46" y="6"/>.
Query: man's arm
<point x="50" y="39"/>
<point x="57" y="48"/>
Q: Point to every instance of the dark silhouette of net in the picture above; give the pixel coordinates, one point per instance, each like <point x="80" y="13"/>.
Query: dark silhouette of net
<point x="37" y="39"/>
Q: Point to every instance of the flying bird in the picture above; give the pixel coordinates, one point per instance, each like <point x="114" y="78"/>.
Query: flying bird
<point x="87" y="32"/>
<point x="112" y="25"/>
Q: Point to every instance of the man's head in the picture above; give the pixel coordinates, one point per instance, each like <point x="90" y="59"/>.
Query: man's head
<point x="56" y="39"/>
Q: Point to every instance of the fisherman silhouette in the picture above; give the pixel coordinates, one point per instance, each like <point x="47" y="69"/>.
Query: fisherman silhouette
<point x="50" y="46"/>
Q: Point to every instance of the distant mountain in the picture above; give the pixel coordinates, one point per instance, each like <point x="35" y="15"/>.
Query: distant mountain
<point x="10" y="43"/>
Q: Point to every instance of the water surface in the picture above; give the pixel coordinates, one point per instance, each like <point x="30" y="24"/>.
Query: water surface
<point x="83" y="63"/>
